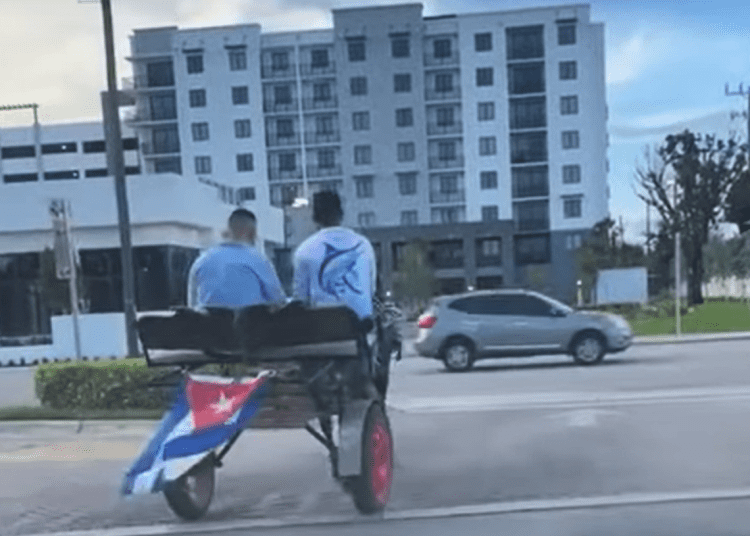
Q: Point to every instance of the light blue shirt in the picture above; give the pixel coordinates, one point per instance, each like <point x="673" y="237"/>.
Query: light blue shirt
<point x="336" y="266"/>
<point x="233" y="275"/>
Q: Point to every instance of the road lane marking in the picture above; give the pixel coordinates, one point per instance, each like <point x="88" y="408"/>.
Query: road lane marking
<point x="565" y="400"/>
<point x="496" y="508"/>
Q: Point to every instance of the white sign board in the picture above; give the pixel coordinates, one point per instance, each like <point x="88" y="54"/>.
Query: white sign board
<point x="622" y="285"/>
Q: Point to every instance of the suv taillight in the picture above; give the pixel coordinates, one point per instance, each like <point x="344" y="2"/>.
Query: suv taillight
<point x="426" y="321"/>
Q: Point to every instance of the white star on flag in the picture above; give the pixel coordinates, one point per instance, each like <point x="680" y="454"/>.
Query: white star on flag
<point x="223" y="404"/>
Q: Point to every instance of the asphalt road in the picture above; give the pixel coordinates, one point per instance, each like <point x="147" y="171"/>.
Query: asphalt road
<point x="656" y="421"/>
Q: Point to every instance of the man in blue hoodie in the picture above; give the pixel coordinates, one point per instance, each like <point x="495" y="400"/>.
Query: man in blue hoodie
<point x="235" y="274"/>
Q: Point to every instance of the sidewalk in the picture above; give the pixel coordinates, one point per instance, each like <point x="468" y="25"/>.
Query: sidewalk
<point x="692" y="337"/>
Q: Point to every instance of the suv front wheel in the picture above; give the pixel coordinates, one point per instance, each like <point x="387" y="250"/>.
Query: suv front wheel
<point x="458" y="355"/>
<point x="588" y="348"/>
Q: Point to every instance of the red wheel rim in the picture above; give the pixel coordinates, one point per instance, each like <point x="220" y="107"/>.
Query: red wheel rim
<point x="382" y="466"/>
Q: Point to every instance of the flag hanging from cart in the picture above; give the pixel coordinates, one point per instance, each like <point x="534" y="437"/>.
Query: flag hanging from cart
<point x="207" y="413"/>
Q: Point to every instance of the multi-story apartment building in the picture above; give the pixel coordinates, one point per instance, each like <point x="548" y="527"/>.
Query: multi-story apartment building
<point x="172" y="218"/>
<point x="483" y="133"/>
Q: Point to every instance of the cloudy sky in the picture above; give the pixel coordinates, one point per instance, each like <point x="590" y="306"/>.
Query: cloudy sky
<point x="667" y="62"/>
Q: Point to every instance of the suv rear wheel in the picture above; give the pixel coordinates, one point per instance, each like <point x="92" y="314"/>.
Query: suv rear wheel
<point x="458" y="355"/>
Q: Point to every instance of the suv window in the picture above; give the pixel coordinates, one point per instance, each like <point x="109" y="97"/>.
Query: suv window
<point x="483" y="305"/>
<point x="524" y="305"/>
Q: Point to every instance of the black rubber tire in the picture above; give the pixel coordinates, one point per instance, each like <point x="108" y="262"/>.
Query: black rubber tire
<point x="368" y="498"/>
<point x="463" y="347"/>
<point x="588" y="348"/>
<point x="178" y="495"/>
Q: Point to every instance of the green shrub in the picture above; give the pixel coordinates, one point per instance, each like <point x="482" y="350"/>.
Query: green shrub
<point x="103" y="385"/>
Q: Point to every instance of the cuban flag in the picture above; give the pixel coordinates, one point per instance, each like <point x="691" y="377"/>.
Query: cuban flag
<point x="208" y="411"/>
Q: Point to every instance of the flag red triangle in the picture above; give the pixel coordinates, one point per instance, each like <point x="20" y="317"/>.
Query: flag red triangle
<point x="213" y="403"/>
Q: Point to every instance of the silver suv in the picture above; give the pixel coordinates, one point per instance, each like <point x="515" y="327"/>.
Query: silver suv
<point x="460" y="329"/>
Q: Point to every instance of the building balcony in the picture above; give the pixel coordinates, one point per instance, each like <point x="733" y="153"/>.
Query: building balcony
<point x="431" y="61"/>
<point x="458" y="196"/>
<point x="531" y="225"/>
<point x="143" y="82"/>
<point x="312" y="138"/>
<point x="270" y="106"/>
<point x="443" y="163"/>
<point x="433" y="94"/>
<point x="310" y="103"/>
<point x="308" y="69"/>
<point x="331" y="171"/>
<point x="433" y="129"/>
<point x="284" y="174"/>
<point x="268" y="71"/>
<point x="140" y="117"/>
<point x="151" y="150"/>
<point x="282" y="141"/>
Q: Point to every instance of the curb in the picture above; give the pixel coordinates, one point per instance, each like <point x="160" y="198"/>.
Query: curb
<point x="687" y="338"/>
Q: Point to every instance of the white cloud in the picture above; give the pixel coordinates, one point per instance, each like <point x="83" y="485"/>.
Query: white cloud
<point x="627" y="61"/>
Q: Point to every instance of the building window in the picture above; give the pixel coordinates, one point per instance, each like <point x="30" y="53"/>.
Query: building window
<point x="526" y="78"/>
<point x="407" y="183"/>
<point x="404" y="117"/>
<point x="489" y="251"/>
<point x="447" y="150"/>
<point x="447" y="253"/>
<point x="240" y="95"/>
<point x="356" y="49"/>
<point x="200" y="131"/>
<point x="366" y="219"/>
<point x="160" y="74"/>
<point x="242" y="128"/>
<point x="285" y="128"/>
<point x="571" y="174"/>
<point x="322" y="92"/>
<point x="486" y="111"/>
<point x="202" y="165"/>
<point x="61" y="175"/>
<point x="487" y="146"/>
<point x="409" y="217"/>
<point x="245" y="194"/>
<point x="448" y="184"/>
<point x="525" y="42"/>
<point x="489" y="213"/>
<point x="400" y="46"/>
<point x="237" y="60"/>
<point x="530" y="181"/>
<point x="197" y="98"/>
<point x="572" y="206"/>
<point x="528" y="147"/>
<point x="279" y="61"/>
<point x="402" y="83"/>
<point x="529" y="112"/>
<point x="448" y="214"/>
<point x="444" y="82"/>
<point x="319" y="58"/>
<point x="97" y="146"/>
<point x="362" y="155"/>
<point x="20" y="177"/>
<point x="287" y="161"/>
<point x="566" y="34"/>
<point x="406" y="151"/>
<point x="568" y="70"/>
<point x="361" y="120"/>
<point x="365" y="188"/>
<point x="485" y="76"/>
<point x="483" y="42"/>
<point x="326" y="158"/>
<point x="324" y="125"/>
<point x="194" y="63"/>
<point x="282" y="94"/>
<point x="96" y="172"/>
<point x="132" y="170"/>
<point x="488" y="180"/>
<point x="165" y="140"/>
<point x="163" y="106"/>
<point x="245" y="162"/>
<point x="60" y="148"/>
<point x="570" y="139"/>
<point x="168" y="165"/>
<point x="358" y="85"/>
<point x="569" y="105"/>
<point x="531" y="215"/>
<point x="441" y="48"/>
<point x="534" y="249"/>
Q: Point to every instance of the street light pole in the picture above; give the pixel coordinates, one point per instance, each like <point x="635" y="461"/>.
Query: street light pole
<point x="677" y="267"/>
<point x="117" y="169"/>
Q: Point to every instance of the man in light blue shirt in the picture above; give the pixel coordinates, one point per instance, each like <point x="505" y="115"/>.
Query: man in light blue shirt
<point x="235" y="274"/>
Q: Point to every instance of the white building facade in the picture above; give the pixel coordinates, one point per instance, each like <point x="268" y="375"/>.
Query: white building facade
<point x="485" y="132"/>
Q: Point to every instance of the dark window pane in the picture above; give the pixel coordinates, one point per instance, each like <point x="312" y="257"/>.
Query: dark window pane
<point x="528" y="147"/>
<point x="160" y="74"/>
<point x="482" y="42"/>
<point x="97" y="146"/>
<point x="531" y="215"/>
<point x="356" y="49"/>
<point x="566" y="34"/>
<point x="18" y="151"/>
<point x="20" y="177"/>
<point x="530" y="181"/>
<point x="526" y="78"/>
<point x="57" y="148"/>
<point x="61" y="175"/>
<point x="98" y="172"/>
<point x="132" y="170"/>
<point x="400" y="47"/>
<point x="530" y="112"/>
<point x="525" y="42"/>
<point x="533" y="249"/>
<point x="129" y="144"/>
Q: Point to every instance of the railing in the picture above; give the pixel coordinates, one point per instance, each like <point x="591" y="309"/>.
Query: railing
<point x="433" y="94"/>
<point x="431" y="61"/>
<point x="532" y="224"/>
<point x="315" y="171"/>
<point x="284" y="174"/>
<point x="310" y="103"/>
<point x="270" y="106"/>
<point x="145" y="116"/>
<point x="268" y="71"/>
<point x="308" y="69"/>
<point x="282" y="141"/>
<point x="448" y="197"/>
<point x="150" y="149"/>
<point x="143" y="82"/>
<point x="314" y="137"/>
<point x="442" y="163"/>
<point x="433" y="129"/>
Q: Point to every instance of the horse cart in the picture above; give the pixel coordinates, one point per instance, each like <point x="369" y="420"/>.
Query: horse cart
<point x="320" y="369"/>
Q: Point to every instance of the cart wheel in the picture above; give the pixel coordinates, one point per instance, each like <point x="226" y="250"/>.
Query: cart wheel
<point x="372" y="487"/>
<point x="190" y="495"/>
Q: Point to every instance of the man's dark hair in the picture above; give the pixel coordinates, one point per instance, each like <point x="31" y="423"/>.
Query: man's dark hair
<point x="327" y="209"/>
<point x="240" y="219"/>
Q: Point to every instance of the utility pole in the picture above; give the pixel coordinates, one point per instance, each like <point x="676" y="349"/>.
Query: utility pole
<point x="116" y="166"/>
<point x="742" y="92"/>
<point x="677" y="267"/>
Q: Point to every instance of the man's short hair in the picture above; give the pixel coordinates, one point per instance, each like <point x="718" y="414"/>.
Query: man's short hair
<point x="327" y="208"/>
<point x="241" y="219"/>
